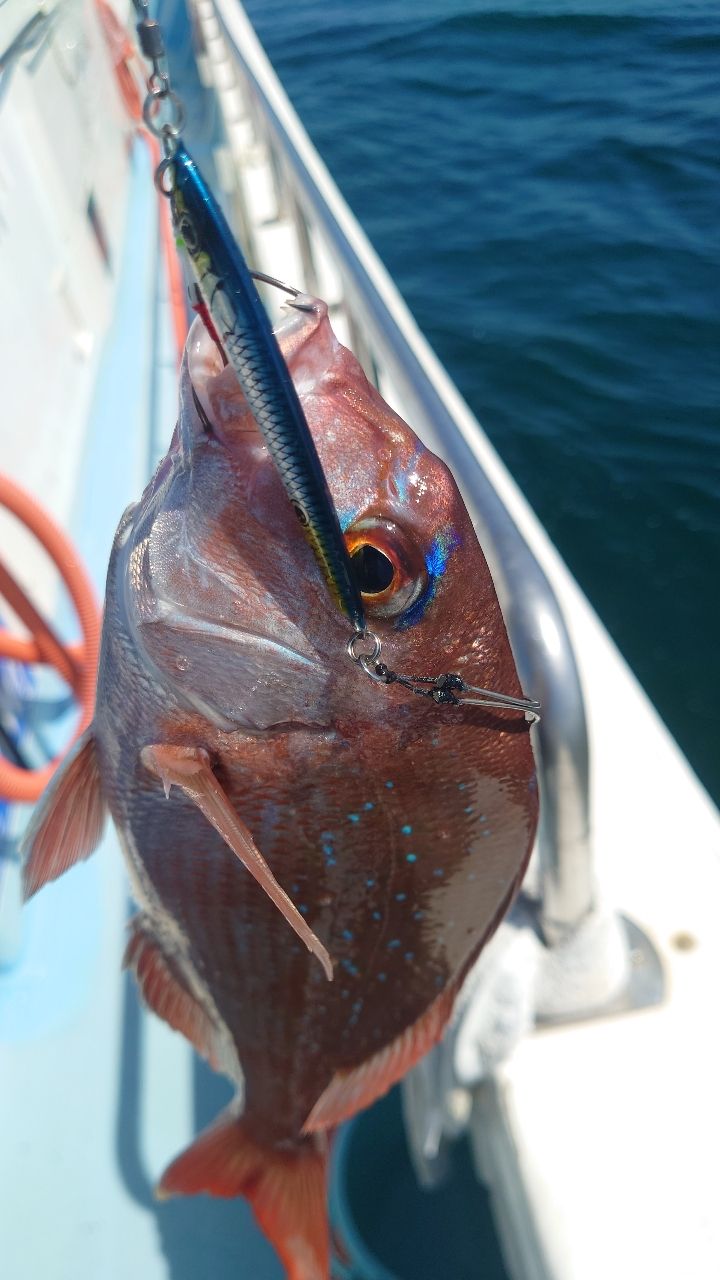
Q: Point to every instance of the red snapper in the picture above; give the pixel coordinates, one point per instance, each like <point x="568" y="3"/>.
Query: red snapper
<point x="285" y="818"/>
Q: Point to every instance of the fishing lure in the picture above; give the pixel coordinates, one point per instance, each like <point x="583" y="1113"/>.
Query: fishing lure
<point x="248" y="342"/>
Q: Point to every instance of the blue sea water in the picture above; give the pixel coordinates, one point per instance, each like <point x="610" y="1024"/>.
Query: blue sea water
<point x="542" y="181"/>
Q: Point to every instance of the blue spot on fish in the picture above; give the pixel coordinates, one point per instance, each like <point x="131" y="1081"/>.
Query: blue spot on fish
<point x="350" y="968"/>
<point x="409" y="955"/>
<point x="377" y="915"/>
<point x="406" y="830"/>
<point x="411" y="857"/>
<point x="389" y="785"/>
<point x="370" y="882"/>
<point x="368" y="805"/>
<point x="468" y="809"/>
<point x="347" y="935"/>
<point x="400" y="897"/>
<point x="438" y="871"/>
<point x="382" y="977"/>
<point x="353" y="817"/>
<point x="303" y="909"/>
<point x="486" y="832"/>
<point x="393" y="944"/>
<point x="418" y="915"/>
<point x="461" y="786"/>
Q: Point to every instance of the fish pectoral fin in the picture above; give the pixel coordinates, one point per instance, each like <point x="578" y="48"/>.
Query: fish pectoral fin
<point x="189" y="768"/>
<point x="68" y="820"/>
<point x="285" y="1186"/>
<point x="164" y="990"/>
<point x="352" y="1090"/>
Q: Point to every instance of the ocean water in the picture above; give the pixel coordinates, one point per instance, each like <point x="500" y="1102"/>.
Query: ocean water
<point x="542" y="181"/>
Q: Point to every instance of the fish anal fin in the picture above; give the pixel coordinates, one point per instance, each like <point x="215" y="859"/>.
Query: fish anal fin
<point x="68" y="820"/>
<point x="286" y="1188"/>
<point x="352" y="1090"/>
<point x="164" y="990"/>
<point x="189" y="769"/>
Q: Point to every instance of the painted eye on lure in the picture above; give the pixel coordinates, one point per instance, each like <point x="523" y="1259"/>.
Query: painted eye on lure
<point x="389" y="568"/>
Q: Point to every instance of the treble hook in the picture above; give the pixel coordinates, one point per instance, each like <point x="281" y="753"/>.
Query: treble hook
<point x="277" y="284"/>
<point x="287" y="288"/>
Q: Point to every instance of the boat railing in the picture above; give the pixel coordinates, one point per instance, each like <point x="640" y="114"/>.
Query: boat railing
<point x="299" y="193"/>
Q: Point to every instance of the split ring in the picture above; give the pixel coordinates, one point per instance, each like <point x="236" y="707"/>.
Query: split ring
<point x="152" y="108"/>
<point x="160" y="173"/>
<point x="366" y="655"/>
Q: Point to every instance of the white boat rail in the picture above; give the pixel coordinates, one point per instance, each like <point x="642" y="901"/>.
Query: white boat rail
<point x="299" y="192"/>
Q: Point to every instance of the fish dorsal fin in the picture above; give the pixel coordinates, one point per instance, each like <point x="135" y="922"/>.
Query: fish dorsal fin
<point x="189" y="769"/>
<point x="68" y="820"/>
<point x="164" y="990"/>
<point x="286" y="1188"/>
<point x="352" y="1090"/>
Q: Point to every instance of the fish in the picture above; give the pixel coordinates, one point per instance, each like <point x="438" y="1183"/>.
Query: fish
<point x="317" y="857"/>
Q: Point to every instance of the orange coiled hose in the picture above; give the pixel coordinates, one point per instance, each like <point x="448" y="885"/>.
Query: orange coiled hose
<point x="76" y="663"/>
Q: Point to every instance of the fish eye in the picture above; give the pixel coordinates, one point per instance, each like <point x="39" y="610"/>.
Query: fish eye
<point x="388" y="565"/>
<point x="374" y="571"/>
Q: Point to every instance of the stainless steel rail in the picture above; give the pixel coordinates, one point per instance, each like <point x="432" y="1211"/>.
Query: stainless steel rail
<point x="396" y="350"/>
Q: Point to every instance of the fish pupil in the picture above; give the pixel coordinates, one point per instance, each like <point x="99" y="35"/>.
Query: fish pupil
<point x="373" y="570"/>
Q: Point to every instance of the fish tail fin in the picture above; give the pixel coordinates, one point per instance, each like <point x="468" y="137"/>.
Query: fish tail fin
<point x="286" y="1187"/>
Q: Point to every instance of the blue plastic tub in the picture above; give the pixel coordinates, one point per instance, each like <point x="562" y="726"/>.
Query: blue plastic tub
<point x="386" y="1227"/>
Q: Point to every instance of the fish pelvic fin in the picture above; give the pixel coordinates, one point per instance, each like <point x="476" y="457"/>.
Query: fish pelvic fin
<point x="352" y="1090"/>
<point x="286" y="1188"/>
<point x="189" y="769"/>
<point x="165" y="991"/>
<point x="68" y="820"/>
